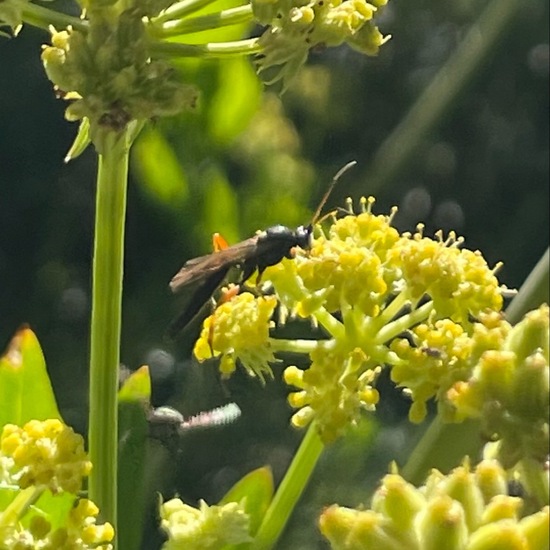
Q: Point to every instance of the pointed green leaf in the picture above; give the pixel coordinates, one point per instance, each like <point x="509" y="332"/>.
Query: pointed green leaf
<point x="25" y="389"/>
<point x="134" y="398"/>
<point x="81" y="141"/>
<point x="257" y="489"/>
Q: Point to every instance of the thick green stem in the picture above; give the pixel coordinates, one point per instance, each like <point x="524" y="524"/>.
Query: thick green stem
<point x="106" y="321"/>
<point x="289" y="490"/>
<point x="442" y="446"/>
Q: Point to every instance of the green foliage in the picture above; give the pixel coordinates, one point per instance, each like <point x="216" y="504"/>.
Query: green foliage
<point x="25" y="389"/>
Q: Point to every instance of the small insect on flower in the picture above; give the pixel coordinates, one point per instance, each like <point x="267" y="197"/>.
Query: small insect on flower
<point x="259" y="252"/>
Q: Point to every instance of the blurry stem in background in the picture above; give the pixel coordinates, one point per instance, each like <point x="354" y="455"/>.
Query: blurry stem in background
<point x="442" y="444"/>
<point x="533" y="292"/>
<point x="290" y="490"/>
<point x="106" y="320"/>
<point x="440" y="95"/>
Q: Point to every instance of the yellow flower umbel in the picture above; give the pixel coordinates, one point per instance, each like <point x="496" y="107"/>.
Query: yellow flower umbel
<point x="425" y="308"/>
<point x="40" y="456"/>
<point x="44" y="453"/>
<point x="465" y="510"/>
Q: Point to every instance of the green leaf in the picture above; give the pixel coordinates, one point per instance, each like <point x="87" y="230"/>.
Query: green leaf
<point x="133" y="397"/>
<point x="257" y="490"/>
<point x="158" y="168"/>
<point x="81" y="141"/>
<point x="137" y="387"/>
<point x="221" y="209"/>
<point x="25" y="389"/>
<point x="236" y="100"/>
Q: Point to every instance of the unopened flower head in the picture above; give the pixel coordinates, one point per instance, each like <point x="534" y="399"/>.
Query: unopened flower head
<point x="465" y="509"/>
<point x="44" y="453"/>
<point x="426" y="308"/>
<point x="205" y="528"/>
<point x="79" y="531"/>
<point x="508" y="387"/>
<point x="298" y="26"/>
<point x="108" y="75"/>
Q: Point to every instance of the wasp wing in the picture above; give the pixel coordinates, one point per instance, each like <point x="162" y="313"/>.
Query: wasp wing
<point x="207" y="273"/>
<point x="204" y="267"/>
<point x="197" y="301"/>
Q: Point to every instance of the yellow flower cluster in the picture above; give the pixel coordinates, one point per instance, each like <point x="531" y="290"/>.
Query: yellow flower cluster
<point x="239" y="329"/>
<point x="332" y="395"/>
<point x="457" y="280"/>
<point x="406" y="302"/>
<point x="206" y="528"/>
<point x="400" y="301"/>
<point x="438" y="354"/>
<point x="47" y="455"/>
<point x="44" y="453"/>
<point x="79" y="533"/>
<point x="465" y="510"/>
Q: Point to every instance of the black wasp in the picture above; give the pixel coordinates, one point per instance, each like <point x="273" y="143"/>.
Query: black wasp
<point x="264" y="249"/>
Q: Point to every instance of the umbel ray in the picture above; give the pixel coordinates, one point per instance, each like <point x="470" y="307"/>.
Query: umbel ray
<point x="259" y="252"/>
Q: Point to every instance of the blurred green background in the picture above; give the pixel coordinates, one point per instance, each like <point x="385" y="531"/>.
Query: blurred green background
<point x="449" y="122"/>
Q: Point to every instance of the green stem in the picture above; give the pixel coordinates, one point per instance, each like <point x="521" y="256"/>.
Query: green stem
<point x="42" y="17"/>
<point x="106" y="321"/>
<point x="533" y="292"/>
<point x="289" y="490"/>
<point x="298" y="345"/>
<point x="212" y="50"/>
<point x="442" y="446"/>
<point x="232" y="16"/>
<point x="181" y="9"/>
<point x="391" y="330"/>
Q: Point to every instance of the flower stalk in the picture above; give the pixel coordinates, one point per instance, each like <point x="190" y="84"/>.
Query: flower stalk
<point x="290" y="490"/>
<point x="106" y="321"/>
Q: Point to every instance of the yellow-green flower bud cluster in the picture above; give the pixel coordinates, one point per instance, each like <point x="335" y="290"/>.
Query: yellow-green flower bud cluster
<point x="239" y="329"/>
<point x="80" y="532"/>
<point x="44" y="453"/>
<point x="206" y="528"/>
<point x="298" y="26"/>
<point x="465" y="510"/>
<point x="108" y="75"/>
<point x="509" y="390"/>
<point x="47" y="455"/>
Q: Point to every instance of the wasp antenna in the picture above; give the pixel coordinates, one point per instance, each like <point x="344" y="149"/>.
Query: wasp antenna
<point x="335" y="179"/>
